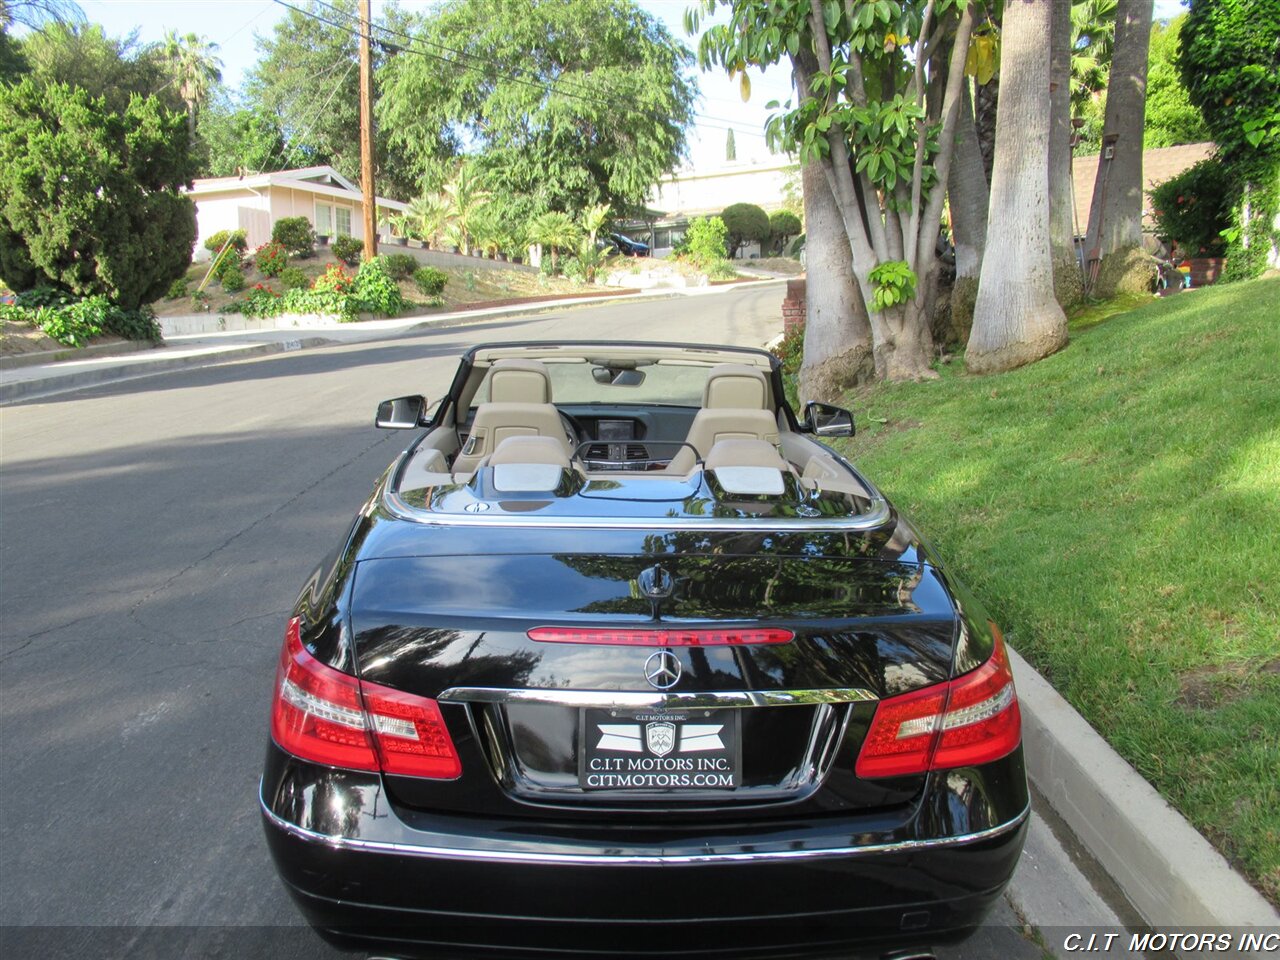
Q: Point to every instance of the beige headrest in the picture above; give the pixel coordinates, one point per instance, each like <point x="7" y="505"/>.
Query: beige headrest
<point x="519" y="381"/>
<point x="735" y="386"/>
<point x="743" y="453"/>
<point x="547" y="450"/>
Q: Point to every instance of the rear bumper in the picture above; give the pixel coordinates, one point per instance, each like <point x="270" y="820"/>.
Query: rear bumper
<point x="368" y="878"/>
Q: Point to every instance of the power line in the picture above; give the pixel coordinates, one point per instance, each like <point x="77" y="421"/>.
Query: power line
<point x="299" y="140"/>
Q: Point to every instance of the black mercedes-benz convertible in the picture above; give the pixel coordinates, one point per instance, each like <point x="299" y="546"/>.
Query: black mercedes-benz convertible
<point x="620" y="659"/>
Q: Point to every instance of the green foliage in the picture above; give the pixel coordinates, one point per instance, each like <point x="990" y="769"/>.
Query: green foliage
<point x="1093" y="32"/>
<point x="1251" y="238"/>
<point x="91" y="197"/>
<point x="721" y="270"/>
<point x="1171" y="118"/>
<point x="238" y="238"/>
<point x="231" y="277"/>
<point x="1194" y="208"/>
<point x="236" y="139"/>
<point x="895" y="284"/>
<point x="744" y="223"/>
<point x="334" y="280"/>
<point x="293" y="278"/>
<point x="399" y="266"/>
<point x="783" y="224"/>
<point x="348" y="249"/>
<point x="178" y="289"/>
<point x="430" y="281"/>
<point x="230" y="260"/>
<point x="73" y="321"/>
<point x="376" y="291"/>
<point x="1231" y="69"/>
<point x="554" y="230"/>
<point x="295" y="234"/>
<point x="594" y="110"/>
<point x="705" y="240"/>
<point x="271" y="259"/>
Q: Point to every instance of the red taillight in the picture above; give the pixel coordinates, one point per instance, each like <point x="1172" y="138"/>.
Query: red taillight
<point x="972" y="719"/>
<point x="318" y="714"/>
<point x="661" y="638"/>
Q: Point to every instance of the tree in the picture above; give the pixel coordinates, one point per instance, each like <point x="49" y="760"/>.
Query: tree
<point x="194" y="67"/>
<point x="1113" y="253"/>
<point x="35" y="14"/>
<point x="837" y="334"/>
<point x="878" y="111"/>
<point x="306" y="78"/>
<point x="427" y="216"/>
<point x="466" y="197"/>
<point x="554" y="230"/>
<point x="1171" y="118"/>
<point x="1231" y="68"/>
<point x="746" y="223"/>
<point x="570" y="103"/>
<point x="90" y="197"/>
<point x="82" y="55"/>
<point x="1016" y="318"/>
<point x="1068" y="285"/>
<point x="238" y="139"/>
<point x="968" y="197"/>
<point x="783" y="224"/>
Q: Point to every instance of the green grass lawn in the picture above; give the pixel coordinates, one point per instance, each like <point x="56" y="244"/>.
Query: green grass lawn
<point x="1117" y="509"/>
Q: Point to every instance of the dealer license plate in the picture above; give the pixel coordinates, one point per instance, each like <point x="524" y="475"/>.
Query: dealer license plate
<point x="683" y="752"/>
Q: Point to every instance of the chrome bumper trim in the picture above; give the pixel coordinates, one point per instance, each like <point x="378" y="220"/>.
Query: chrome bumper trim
<point x="626" y="700"/>
<point x="521" y="856"/>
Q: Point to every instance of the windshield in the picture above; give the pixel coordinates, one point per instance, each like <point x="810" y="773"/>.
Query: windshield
<point x="603" y="380"/>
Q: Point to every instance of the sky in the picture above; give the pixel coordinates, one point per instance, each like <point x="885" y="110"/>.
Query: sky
<point x="233" y="24"/>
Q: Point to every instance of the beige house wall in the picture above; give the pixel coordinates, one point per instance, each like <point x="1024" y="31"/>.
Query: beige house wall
<point x="232" y="210"/>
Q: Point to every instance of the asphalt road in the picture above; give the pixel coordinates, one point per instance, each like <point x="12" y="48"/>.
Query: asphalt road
<point x="153" y="536"/>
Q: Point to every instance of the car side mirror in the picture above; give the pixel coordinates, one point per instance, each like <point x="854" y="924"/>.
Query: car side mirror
<point x="402" y="413"/>
<point x="826" y="420"/>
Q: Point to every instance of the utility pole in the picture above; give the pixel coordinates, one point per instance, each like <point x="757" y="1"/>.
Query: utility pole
<point x="366" y="134"/>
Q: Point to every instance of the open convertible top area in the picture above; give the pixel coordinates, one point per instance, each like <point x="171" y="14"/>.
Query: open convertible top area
<point x="626" y="436"/>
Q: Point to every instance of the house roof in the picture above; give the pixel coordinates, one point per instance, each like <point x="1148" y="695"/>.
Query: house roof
<point x="323" y="180"/>
<point x="1158" y="165"/>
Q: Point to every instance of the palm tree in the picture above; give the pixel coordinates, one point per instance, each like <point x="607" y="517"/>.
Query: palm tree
<point x="1016" y="319"/>
<point x="195" y="68"/>
<point x="555" y="230"/>
<point x="428" y="215"/>
<point x="466" y="197"/>
<point x="1093" y="27"/>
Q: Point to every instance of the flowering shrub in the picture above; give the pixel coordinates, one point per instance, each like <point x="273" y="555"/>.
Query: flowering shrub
<point x="334" y="280"/>
<point x="376" y="291"/>
<point x="295" y="235"/>
<point x="271" y="258"/>
<point x="1193" y="208"/>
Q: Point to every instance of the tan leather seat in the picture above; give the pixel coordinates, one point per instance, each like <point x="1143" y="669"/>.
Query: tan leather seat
<point x="519" y="406"/>
<point x="750" y="467"/>
<point x="735" y="406"/>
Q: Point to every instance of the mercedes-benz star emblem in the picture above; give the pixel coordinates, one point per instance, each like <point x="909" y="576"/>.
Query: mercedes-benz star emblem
<point x="662" y="670"/>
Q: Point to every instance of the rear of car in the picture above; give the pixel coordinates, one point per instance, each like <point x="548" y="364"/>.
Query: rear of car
<point x="672" y="745"/>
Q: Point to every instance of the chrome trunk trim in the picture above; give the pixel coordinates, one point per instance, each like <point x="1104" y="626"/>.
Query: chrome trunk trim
<point x="628" y="700"/>
<point x="488" y="853"/>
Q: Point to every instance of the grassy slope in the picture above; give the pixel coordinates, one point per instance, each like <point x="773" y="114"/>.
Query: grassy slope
<point x="1117" y="508"/>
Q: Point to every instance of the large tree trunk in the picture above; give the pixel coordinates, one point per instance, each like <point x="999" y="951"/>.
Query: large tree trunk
<point x="986" y="100"/>
<point x="1016" y="319"/>
<point x="969" y="197"/>
<point x="837" y="335"/>
<point x="1068" y="285"/>
<point x="1115" y="216"/>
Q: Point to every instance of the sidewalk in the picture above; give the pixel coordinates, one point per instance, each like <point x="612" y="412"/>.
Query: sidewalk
<point x="21" y="379"/>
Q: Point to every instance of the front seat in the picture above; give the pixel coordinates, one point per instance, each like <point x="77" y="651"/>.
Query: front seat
<point x="735" y="406"/>
<point x="519" y="405"/>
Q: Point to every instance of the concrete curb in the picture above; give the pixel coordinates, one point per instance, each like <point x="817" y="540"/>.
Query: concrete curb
<point x="18" y="360"/>
<point x="1170" y="873"/>
<point x="61" y="382"/>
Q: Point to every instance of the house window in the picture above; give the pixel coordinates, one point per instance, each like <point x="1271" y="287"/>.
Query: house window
<point x="324" y="219"/>
<point x="342" y="217"/>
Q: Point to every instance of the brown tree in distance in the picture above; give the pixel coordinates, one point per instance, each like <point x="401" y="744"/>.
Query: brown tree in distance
<point x="1016" y="318"/>
<point x="1068" y="285"/>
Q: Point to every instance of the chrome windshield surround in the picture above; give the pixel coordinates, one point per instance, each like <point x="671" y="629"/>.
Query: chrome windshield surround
<point x="876" y="516"/>
<point x="642" y="700"/>
<point x="490" y="854"/>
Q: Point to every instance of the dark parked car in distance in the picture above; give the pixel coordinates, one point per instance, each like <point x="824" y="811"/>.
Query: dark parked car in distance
<point x="620" y="659"/>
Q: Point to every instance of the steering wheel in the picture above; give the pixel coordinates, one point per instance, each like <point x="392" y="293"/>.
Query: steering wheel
<point x="573" y="429"/>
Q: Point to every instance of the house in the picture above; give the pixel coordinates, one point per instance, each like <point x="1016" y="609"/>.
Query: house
<point x="686" y="194"/>
<point x="254" y="202"/>
<point x="1158" y="165"/>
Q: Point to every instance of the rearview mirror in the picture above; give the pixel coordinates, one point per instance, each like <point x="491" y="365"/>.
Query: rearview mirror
<point x="402" y="413"/>
<point x="825" y="420"/>
<point x="617" y="377"/>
